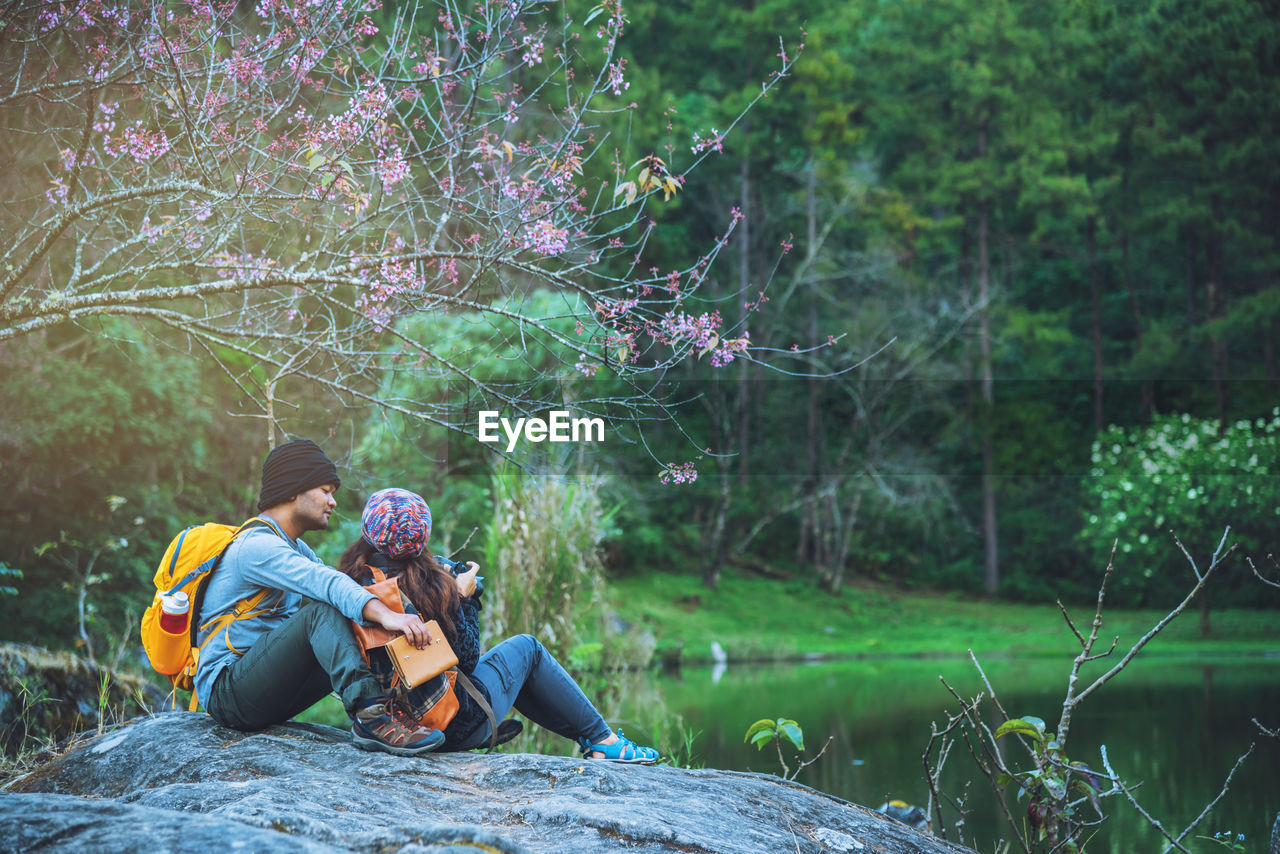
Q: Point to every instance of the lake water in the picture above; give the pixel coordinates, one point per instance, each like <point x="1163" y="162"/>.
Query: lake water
<point x="1176" y="725"/>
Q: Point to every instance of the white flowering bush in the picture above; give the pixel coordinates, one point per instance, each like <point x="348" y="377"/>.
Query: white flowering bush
<point x="1181" y="477"/>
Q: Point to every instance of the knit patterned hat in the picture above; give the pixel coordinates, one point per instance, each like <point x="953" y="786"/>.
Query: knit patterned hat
<point x="396" y="522"/>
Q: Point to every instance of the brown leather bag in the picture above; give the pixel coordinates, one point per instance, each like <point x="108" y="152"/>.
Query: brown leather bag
<point x="416" y="666"/>
<point x="388" y="592"/>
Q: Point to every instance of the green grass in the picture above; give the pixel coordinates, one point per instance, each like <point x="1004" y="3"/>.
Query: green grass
<point x="755" y="617"/>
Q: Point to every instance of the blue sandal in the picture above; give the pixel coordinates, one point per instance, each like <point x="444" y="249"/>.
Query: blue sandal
<point x="623" y="750"/>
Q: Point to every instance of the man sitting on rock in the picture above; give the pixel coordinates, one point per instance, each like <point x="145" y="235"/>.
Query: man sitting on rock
<point x="282" y="658"/>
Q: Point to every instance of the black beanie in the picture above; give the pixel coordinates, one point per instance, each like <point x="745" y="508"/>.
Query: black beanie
<point x="293" y="468"/>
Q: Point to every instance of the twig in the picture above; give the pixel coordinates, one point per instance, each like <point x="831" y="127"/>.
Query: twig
<point x="1261" y="578"/>
<point x="1221" y="794"/>
<point x="1201" y="579"/>
<point x="1133" y="802"/>
<point x="932" y="776"/>
<point x="1273" y="733"/>
<point x="1086" y="650"/>
<point x="991" y="749"/>
<point x="464" y="542"/>
<point x="817" y="756"/>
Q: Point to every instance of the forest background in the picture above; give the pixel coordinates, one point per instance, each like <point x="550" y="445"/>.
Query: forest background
<point x="1008" y="275"/>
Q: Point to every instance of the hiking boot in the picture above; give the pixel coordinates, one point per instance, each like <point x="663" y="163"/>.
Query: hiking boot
<point x="382" y="726"/>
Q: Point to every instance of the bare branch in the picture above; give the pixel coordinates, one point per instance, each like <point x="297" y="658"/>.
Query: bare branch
<point x="1209" y="807"/>
<point x="1133" y="802"/>
<point x="1201" y="579"/>
<point x="1259" y="575"/>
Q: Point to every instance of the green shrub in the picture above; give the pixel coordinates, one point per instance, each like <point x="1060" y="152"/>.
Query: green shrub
<point x="542" y="558"/>
<point x="1182" y="477"/>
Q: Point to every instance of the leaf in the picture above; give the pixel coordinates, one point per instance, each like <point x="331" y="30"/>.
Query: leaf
<point x="1056" y="787"/>
<point x="762" y="725"/>
<point x="315" y="161"/>
<point x="1019" y="726"/>
<point x="595" y="13"/>
<point x="793" y="733"/>
<point x="643" y="178"/>
<point x="762" y="738"/>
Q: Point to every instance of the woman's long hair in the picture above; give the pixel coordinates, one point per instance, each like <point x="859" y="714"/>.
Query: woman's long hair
<point x="430" y="587"/>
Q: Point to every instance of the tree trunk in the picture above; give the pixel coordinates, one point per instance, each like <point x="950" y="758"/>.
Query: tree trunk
<point x="1215" y="307"/>
<point x="711" y="572"/>
<point x="840" y="557"/>
<point x="744" y="365"/>
<point x="1190" y="250"/>
<point x="1273" y="280"/>
<point x="991" y="552"/>
<point x="809" y="516"/>
<point x="1095" y="302"/>
<point x="1135" y="308"/>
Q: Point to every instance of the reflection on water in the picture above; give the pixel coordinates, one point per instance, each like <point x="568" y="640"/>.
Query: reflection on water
<point x="1174" y="725"/>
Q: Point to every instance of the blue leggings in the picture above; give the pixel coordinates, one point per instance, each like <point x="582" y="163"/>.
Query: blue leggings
<point x="519" y="673"/>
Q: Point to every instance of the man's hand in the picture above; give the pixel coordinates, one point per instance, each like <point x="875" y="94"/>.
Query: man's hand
<point x="410" y="625"/>
<point x="467" y="580"/>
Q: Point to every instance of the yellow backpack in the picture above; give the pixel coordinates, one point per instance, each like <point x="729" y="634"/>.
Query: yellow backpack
<point x="187" y="566"/>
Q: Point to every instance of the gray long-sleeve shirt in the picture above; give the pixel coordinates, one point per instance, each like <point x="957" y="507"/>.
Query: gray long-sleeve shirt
<point x="266" y="558"/>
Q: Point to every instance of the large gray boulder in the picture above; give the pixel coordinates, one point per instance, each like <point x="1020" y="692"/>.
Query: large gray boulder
<point x="178" y="782"/>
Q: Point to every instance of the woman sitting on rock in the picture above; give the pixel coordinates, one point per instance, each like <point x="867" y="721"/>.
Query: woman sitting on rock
<point x="517" y="673"/>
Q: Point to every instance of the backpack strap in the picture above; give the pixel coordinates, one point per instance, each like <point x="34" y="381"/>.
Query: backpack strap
<point x="474" y="693"/>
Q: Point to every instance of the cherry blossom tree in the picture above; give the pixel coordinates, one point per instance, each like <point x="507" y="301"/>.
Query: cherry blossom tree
<point x="284" y="184"/>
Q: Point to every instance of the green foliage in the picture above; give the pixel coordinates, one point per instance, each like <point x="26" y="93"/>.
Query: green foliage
<point x="1228" y="840"/>
<point x="765" y="731"/>
<point x="9" y="572"/>
<point x="542" y="557"/>
<point x="1051" y="787"/>
<point x="107" y="443"/>
<point x="1188" y="478"/>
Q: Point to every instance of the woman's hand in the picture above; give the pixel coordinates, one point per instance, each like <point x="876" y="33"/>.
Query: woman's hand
<point x="467" y="580"/>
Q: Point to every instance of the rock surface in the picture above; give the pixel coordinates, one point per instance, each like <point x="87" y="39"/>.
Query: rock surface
<point x="178" y="782"/>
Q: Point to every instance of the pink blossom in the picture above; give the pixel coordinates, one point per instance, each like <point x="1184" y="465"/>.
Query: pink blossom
<point x="393" y="168"/>
<point x="616" y="81"/>
<point x="244" y="68"/>
<point x="715" y="142"/>
<point x="545" y="239"/>
<point x="139" y="143"/>
<point x="678" y="473"/>
<point x="57" y="194"/>
<point x="533" y="51"/>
